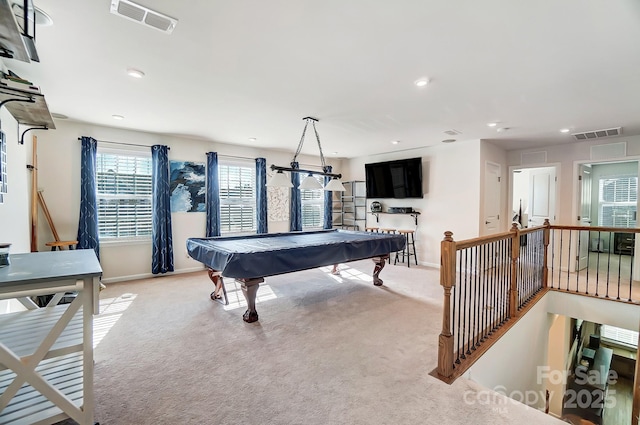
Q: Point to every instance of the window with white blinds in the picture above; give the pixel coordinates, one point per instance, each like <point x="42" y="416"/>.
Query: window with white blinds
<point x="312" y="202"/>
<point x="623" y="336"/>
<point x="124" y="195"/>
<point x="237" y="198"/>
<point x="618" y="197"/>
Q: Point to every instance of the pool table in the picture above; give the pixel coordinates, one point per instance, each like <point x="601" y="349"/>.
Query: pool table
<point x="249" y="259"/>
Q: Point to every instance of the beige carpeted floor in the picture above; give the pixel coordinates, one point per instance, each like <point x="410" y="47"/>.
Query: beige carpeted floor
<point x="326" y="350"/>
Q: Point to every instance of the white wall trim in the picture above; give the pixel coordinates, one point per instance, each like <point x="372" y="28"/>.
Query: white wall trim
<point x="148" y="275"/>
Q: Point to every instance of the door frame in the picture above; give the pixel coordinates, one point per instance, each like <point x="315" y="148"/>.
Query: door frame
<point x="576" y="202"/>
<point x="555" y="165"/>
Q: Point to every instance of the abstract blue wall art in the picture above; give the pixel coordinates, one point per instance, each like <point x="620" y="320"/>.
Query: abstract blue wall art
<point x="187" y="186"/>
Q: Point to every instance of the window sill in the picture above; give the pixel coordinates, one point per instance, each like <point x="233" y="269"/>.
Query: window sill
<point x="124" y="241"/>
<point x="248" y="233"/>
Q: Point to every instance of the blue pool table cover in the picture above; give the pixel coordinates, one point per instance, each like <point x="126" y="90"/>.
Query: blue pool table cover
<point x="255" y="256"/>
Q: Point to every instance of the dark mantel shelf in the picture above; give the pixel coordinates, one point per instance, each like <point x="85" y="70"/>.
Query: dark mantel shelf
<point x="413" y="214"/>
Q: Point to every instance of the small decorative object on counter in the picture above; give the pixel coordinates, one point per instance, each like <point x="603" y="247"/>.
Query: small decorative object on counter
<point x="4" y="254"/>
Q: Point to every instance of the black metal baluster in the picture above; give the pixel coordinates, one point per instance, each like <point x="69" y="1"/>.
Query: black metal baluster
<point x="588" y="264"/>
<point x="485" y="270"/>
<point x="493" y="287"/>
<point x="553" y="256"/>
<point x="457" y="294"/>
<point x="569" y="261"/>
<point x="633" y="256"/>
<point x="598" y="265"/>
<point x="578" y="264"/>
<point x="474" y="311"/>
<point x="608" y="265"/>
<point x="619" y="273"/>
<point x="466" y="317"/>
<point x="560" y="265"/>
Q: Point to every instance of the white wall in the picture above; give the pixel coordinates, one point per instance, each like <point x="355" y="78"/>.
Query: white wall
<point x="15" y="221"/>
<point x="14" y="211"/>
<point x="510" y="366"/>
<point x="59" y="177"/>
<point x="451" y="195"/>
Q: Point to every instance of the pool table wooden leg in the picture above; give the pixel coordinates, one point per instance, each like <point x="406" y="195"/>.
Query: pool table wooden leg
<point x="380" y="261"/>
<point x="250" y="289"/>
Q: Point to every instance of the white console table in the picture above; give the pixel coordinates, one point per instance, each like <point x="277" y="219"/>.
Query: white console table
<point x="46" y="354"/>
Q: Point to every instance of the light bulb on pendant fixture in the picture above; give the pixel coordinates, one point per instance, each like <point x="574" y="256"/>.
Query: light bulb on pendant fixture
<point x="309" y="182"/>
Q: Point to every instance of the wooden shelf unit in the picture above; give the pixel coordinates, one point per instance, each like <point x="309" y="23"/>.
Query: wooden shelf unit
<point x="10" y="36"/>
<point x="34" y="114"/>
<point x="350" y="206"/>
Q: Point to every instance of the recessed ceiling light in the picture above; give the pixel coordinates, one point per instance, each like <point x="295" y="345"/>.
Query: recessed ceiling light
<point x="59" y="116"/>
<point x="117" y="117"/>
<point x="334" y="153"/>
<point x="252" y="139"/>
<point x="564" y="130"/>
<point x="492" y="124"/>
<point x="448" y="140"/>
<point x="395" y="142"/>
<point x="135" y="73"/>
<point x="421" y="82"/>
<point x="503" y="129"/>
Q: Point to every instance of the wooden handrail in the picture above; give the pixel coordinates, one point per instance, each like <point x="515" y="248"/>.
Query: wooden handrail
<point x="523" y="248"/>
<point x="596" y="228"/>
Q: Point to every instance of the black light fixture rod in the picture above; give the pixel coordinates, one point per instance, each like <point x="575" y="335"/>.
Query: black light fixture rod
<point x="299" y="170"/>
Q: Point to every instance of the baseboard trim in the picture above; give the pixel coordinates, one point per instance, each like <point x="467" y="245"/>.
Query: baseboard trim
<point x="148" y="275"/>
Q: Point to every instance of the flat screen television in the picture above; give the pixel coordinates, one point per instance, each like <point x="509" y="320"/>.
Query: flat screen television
<point x="394" y="179"/>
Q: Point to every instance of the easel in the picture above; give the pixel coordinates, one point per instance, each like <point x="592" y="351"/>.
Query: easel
<point x="57" y="244"/>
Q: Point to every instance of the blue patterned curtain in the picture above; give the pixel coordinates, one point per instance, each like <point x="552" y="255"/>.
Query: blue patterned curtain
<point x="162" y="257"/>
<point x="88" y="224"/>
<point x="261" y="194"/>
<point x="213" y="195"/>
<point x="295" y="217"/>
<point x="328" y="204"/>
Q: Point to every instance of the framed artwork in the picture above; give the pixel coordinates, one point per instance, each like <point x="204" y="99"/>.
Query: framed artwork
<point x="187" y="186"/>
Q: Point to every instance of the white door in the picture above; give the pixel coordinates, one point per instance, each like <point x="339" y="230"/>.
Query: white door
<point x="584" y="219"/>
<point x="491" y="198"/>
<point x="542" y="195"/>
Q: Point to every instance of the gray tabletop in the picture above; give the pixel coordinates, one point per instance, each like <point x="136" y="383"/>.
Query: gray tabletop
<point x="50" y="266"/>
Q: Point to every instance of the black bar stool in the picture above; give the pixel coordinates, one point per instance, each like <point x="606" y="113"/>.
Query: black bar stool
<point x="408" y="246"/>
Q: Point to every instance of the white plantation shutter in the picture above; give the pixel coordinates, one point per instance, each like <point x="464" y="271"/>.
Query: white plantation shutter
<point x="624" y="336"/>
<point x="618" y="198"/>
<point x="124" y="195"/>
<point x="312" y="202"/>
<point x="237" y="198"/>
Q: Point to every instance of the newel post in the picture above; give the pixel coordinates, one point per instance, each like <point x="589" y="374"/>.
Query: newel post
<point x="546" y="236"/>
<point x="513" y="285"/>
<point x="447" y="280"/>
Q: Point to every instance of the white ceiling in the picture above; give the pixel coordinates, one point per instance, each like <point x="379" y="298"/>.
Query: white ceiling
<point x="238" y="69"/>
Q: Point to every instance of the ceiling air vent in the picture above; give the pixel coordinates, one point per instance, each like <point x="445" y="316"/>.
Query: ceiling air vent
<point x="598" y="134"/>
<point x="143" y="15"/>
<point x="452" y="132"/>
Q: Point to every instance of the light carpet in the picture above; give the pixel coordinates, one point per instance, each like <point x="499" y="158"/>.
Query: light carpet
<point x="326" y="350"/>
